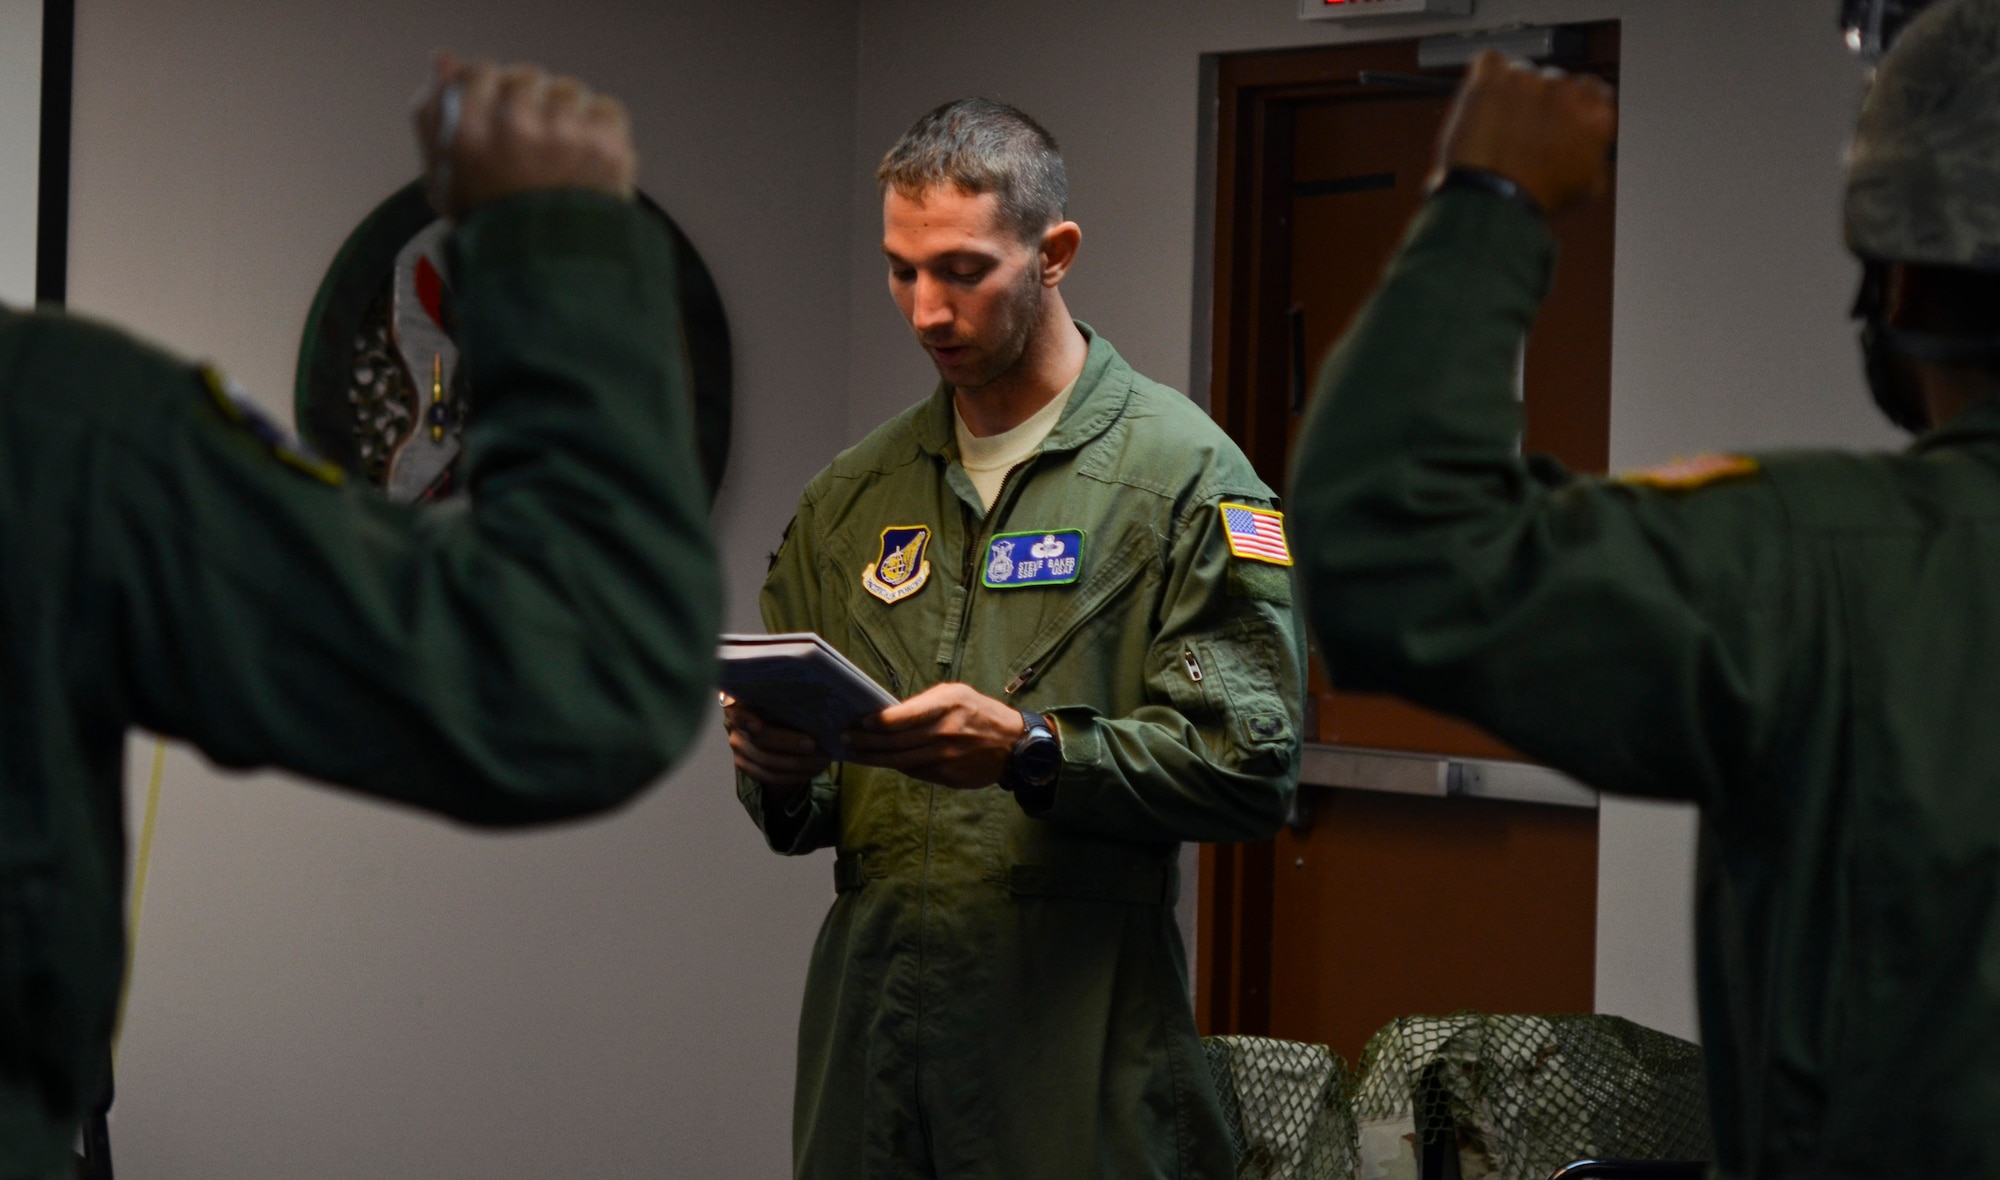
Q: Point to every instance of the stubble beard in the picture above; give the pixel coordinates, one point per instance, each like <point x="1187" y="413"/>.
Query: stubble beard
<point x="1022" y="318"/>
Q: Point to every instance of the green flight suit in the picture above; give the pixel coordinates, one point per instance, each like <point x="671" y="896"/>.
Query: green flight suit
<point x="539" y="651"/>
<point x="998" y="994"/>
<point x="1802" y="645"/>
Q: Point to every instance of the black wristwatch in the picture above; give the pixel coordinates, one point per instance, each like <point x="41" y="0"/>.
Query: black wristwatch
<point x="1484" y="181"/>
<point x="1035" y="762"/>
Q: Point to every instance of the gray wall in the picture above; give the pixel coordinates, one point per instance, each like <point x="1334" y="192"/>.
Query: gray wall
<point x="20" y="139"/>
<point x="1731" y="283"/>
<point x="326" y="988"/>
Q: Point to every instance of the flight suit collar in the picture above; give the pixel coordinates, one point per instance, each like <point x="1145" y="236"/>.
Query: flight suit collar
<point x="1102" y="390"/>
<point x="1979" y="422"/>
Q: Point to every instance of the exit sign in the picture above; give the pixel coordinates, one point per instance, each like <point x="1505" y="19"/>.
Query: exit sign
<point x="1365" y="9"/>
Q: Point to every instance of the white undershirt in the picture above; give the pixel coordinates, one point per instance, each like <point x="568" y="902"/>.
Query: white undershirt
<point x="988" y="460"/>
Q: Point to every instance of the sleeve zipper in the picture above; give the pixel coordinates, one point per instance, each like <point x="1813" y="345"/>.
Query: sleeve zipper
<point x="1193" y="664"/>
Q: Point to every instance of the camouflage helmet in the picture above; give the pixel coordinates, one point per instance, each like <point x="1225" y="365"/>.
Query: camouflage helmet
<point x="1924" y="172"/>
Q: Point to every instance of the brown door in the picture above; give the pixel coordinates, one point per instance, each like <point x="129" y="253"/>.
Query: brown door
<point x="1379" y="905"/>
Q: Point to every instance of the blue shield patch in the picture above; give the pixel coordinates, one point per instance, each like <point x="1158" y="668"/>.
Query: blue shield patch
<point x="1034" y="559"/>
<point x="903" y="564"/>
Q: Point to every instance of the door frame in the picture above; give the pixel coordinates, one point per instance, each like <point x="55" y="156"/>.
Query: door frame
<point x="1242" y="345"/>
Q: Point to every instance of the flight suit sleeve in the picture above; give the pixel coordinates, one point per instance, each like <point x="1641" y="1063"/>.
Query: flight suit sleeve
<point x="809" y="818"/>
<point x="1214" y="753"/>
<point x="539" y="648"/>
<point x="1637" y="637"/>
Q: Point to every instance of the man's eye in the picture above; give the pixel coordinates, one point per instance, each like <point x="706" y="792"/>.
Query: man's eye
<point x="902" y="275"/>
<point x="968" y="277"/>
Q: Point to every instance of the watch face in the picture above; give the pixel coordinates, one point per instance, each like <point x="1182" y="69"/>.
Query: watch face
<point x="379" y="388"/>
<point x="1038" y="758"/>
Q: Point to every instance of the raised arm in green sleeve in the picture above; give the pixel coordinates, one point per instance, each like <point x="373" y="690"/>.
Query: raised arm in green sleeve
<point x="1633" y="636"/>
<point x="541" y="649"/>
<point x="807" y="819"/>
<point x="1213" y="752"/>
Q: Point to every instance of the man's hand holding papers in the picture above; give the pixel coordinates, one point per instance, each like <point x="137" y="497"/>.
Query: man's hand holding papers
<point x="790" y="700"/>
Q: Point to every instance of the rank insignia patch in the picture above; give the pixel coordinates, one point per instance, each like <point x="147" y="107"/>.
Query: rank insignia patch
<point x="1257" y="534"/>
<point x="1685" y="475"/>
<point x="903" y="565"/>
<point x="1034" y="559"/>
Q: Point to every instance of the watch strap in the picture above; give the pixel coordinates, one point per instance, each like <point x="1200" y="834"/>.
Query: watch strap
<point x="1481" y="180"/>
<point x="1029" y="793"/>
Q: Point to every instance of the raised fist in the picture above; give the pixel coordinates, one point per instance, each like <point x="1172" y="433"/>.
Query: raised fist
<point x="489" y="131"/>
<point x="1547" y="131"/>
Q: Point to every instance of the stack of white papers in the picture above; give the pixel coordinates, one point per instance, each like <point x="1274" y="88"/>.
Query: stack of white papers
<point x="798" y="680"/>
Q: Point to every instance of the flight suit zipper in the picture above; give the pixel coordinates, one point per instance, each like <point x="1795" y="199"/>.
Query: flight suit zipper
<point x="972" y="548"/>
<point x="1193" y="664"/>
<point x="1113" y="574"/>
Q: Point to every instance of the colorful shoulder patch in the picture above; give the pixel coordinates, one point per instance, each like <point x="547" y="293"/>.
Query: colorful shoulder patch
<point x="1256" y="534"/>
<point x="1685" y="475"/>
<point x="1035" y="558"/>
<point x="237" y="409"/>
<point x="902" y="566"/>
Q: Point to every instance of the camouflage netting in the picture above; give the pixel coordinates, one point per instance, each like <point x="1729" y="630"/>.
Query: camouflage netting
<point x="1289" y="1108"/>
<point x="1511" y="1097"/>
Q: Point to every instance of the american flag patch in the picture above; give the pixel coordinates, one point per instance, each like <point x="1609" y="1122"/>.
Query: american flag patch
<point x="1256" y="533"/>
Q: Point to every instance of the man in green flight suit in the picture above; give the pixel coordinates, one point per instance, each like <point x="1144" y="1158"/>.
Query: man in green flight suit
<point x="1801" y="643"/>
<point x="539" y="652"/>
<point x="1070" y="574"/>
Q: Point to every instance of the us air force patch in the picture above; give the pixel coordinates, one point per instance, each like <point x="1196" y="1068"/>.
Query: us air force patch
<point x="903" y="565"/>
<point x="1034" y="559"/>
<point x="380" y="390"/>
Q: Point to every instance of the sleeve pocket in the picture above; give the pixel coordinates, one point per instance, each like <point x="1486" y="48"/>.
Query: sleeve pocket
<point x="1245" y="670"/>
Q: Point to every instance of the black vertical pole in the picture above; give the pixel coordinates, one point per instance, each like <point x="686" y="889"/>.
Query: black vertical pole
<point x="52" y="212"/>
<point x="52" y="287"/>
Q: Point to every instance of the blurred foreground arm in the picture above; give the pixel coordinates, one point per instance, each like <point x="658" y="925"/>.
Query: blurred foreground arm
<point x="1611" y="630"/>
<point x="540" y="649"/>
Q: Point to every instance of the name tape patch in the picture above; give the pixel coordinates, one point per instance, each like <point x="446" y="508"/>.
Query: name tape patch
<point x="1034" y="559"/>
<point x="1256" y="534"/>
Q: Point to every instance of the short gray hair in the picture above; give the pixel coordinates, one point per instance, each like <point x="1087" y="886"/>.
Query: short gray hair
<point x="977" y="146"/>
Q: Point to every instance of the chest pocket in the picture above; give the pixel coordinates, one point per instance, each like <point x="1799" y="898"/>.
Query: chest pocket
<point x="1099" y="590"/>
<point x="881" y="637"/>
<point x="869" y="652"/>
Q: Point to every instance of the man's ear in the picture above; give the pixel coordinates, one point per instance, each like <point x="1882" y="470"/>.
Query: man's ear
<point x="1059" y="246"/>
<point x="1901" y="294"/>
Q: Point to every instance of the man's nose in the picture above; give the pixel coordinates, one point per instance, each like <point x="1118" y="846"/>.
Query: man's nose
<point x="931" y="308"/>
